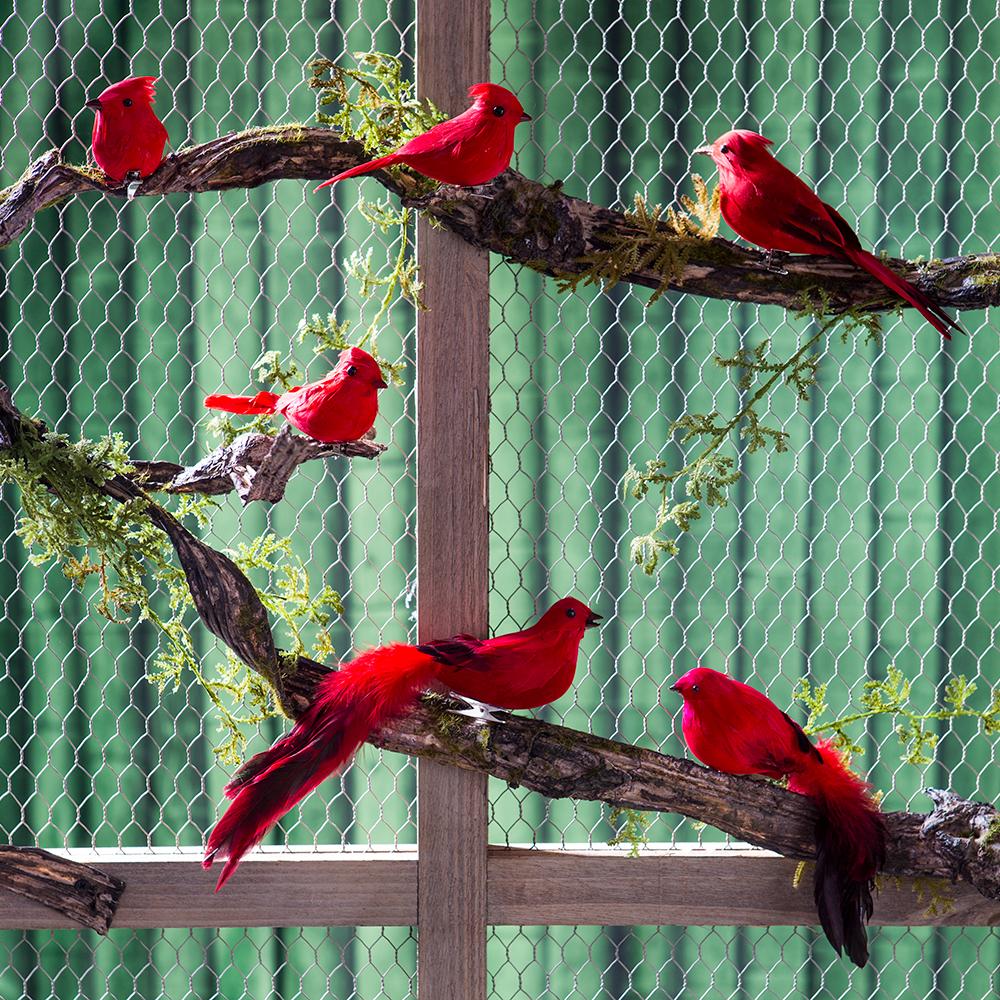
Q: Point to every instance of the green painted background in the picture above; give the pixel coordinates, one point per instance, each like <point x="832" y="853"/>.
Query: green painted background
<point x="872" y="542"/>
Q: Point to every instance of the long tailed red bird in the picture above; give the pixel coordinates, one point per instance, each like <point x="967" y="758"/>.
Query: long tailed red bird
<point x="734" y="728"/>
<point x="766" y="204"/>
<point x="471" y="149"/>
<point x="521" y="670"/>
<point x="340" y="407"/>
<point x="128" y="137"/>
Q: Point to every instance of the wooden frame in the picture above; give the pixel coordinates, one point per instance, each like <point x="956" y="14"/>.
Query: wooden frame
<point x="453" y="885"/>
<point x="686" y="884"/>
<point x="453" y="388"/>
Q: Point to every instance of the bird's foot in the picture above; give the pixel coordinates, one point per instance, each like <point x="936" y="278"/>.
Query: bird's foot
<point x="477" y="711"/>
<point x="134" y="182"/>
<point x="771" y="262"/>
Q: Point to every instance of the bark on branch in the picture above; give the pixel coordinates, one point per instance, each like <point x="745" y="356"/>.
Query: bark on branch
<point x="82" y="892"/>
<point x="526" y="222"/>
<point x="257" y="466"/>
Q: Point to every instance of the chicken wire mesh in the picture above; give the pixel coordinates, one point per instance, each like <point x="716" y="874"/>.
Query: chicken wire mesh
<point x="871" y="542"/>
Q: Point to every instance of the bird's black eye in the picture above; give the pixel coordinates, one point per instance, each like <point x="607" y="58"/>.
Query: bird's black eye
<point x="571" y="612"/>
<point x="127" y="102"/>
<point x="352" y="370"/>
<point x="694" y="688"/>
<point x="499" y="110"/>
<point x="723" y="148"/>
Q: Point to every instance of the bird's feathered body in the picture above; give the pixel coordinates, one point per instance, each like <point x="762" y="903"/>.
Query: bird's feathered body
<point x="496" y="671"/>
<point x="340" y="407"/>
<point x="127" y="137"/>
<point x="470" y="149"/>
<point x="734" y="728"/>
<point x="521" y="670"/>
<point x="768" y="205"/>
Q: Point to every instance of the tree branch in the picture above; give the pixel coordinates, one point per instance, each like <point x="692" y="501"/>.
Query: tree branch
<point x="257" y="466"/>
<point x="526" y="222"/>
<point x="82" y="892"/>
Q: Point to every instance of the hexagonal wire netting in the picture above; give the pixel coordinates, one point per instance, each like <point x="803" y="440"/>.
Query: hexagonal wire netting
<point x="871" y="542"/>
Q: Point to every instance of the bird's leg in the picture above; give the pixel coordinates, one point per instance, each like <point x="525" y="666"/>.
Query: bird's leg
<point x="134" y="181"/>
<point x="771" y="264"/>
<point x="476" y="710"/>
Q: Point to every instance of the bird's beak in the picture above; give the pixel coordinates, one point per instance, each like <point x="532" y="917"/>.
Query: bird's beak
<point x="593" y="620"/>
<point x="674" y="687"/>
<point x="93" y="103"/>
<point x="706" y="150"/>
<point x="525" y="117"/>
<point x="381" y="384"/>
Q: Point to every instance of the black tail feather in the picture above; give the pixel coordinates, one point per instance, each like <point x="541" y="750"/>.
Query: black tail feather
<point x="845" y="905"/>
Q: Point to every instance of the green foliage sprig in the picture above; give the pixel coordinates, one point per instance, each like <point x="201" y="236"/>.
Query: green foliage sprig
<point x="707" y="476"/>
<point x="66" y="519"/>
<point x="242" y="698"/>
<point x="632" y="831"/>
<point x="377" y="106"/>
<point x="657" y="239"/>
<point x="403" y="279"/>
<point x="891" y="697"/>
<point x="120" y="560"/>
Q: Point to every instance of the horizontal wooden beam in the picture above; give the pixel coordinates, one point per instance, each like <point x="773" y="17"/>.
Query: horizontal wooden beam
<point x="692" y="885"/>
<point x="684" y="885"/>
<point x="280" y="889"/>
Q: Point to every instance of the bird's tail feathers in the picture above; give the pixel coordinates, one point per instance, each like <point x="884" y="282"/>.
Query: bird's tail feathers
<point x="931" y="311"/>
<point x="361" y="168"/>
<point x="350" y="704"/>
<point x="263" y="402"/>
<point x="850" y="848"/>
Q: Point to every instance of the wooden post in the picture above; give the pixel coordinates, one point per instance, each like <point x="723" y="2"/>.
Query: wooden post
<point x="452" y="521"/>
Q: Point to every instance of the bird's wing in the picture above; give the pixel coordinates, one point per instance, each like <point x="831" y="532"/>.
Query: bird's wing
<point x="805" y="744"/>
<point x="769" y="737"/>
<point x="457" y="652"/>
<point x="817" y="222"/>
<point x="439" y="137"/>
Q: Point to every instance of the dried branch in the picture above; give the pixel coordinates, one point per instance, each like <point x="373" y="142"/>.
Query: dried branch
<point x="258" y="466"/>
<point x="81" y="892"/>
<point x="527" y="222"/>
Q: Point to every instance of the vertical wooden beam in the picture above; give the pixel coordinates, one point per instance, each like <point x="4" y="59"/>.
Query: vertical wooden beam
<point x="452" y="516"/>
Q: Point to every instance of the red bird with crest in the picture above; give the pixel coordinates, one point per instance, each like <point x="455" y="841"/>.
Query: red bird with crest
<point x="468" y="150"/>
<point x="128" y="137"/>
<point x="340" y="407"/>
<point x="524" y="669"/>
<point x="734" y="728"/>
<point x="766" y="204"/>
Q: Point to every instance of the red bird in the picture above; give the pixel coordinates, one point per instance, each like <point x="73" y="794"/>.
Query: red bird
<point x="736" y="729"/>
<point x="128" y="137"/>
<point x="768" y="205"/>
<point x="521" y="670"/>
<point x="471" y="149"/>
<point x="341" y="407"/>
